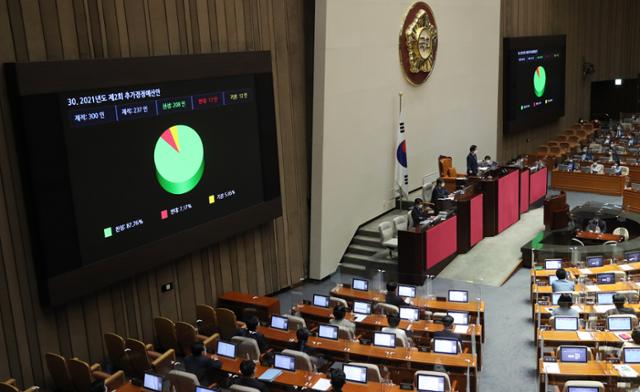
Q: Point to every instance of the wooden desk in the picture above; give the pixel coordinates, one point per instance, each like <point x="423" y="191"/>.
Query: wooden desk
<point x="584" y="309"/>
<point x="629" y="267"/>
<point x="586" y="182"/>
<point x="596" y="288"/>
<point x="266" y="306"/>
<point x="555" y="338"/>
<point x="631" y="199"/>
<point x="593" y="370"/>
<point x="587" y="235"/>
<point x="422" y="330"/>
<point x="405" y="362"/>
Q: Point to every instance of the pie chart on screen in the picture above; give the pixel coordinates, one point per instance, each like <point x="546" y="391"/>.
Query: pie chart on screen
<point x="539" y="81"/>
<point x="179" y="159"/>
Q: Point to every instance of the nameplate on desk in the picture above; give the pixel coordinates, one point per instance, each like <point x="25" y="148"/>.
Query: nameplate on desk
<point x="585" y="271"/>
<point x="551" y="368"/>
<point x="626" y="267"/>
<point x="358" y="318"/>
<point x="626" y="371"/>
<point x="462" y="329"/>
<point x="592" y="287"/>
<point x="582" y="335"/>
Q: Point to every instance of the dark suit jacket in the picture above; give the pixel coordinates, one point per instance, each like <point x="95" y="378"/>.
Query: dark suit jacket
<point x="252" y="383"/>
<point x="416" y="215"/>
<point x="438" y="193"/>
<point x="472" y="165"/>
<point x="394" y="299"/>
<point x="446" y="334"/>
<point x="262" y="341"/>
<point x="202" y="367"/>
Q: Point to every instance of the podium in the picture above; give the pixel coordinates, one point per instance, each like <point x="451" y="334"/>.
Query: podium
<point x="556" y="212"/>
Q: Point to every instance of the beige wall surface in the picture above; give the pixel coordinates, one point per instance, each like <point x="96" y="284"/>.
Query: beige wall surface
<point x="356" y="84"/>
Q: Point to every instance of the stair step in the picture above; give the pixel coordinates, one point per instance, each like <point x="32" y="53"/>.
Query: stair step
<point x="364" y="249"/>
<point x="352" y="266"/>
<point x="365" y="240"/>
<point x="368" y="233"/>
<point x="368" y="261"/>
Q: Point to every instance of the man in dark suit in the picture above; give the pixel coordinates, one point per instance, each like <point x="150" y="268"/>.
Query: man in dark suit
<point x="247" y="378"/>
<point x="250" y="332"/>
<point x="391" y="296"/>
<point x="201" y="365"/>
<point x="447" y="332"/>
<point x="439" y="192"/>
<point x="416" y="212"/>
<point x="472" y="161"/>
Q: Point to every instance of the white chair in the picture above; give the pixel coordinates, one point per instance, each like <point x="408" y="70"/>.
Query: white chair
<point x="401" y="339"/>
<point x="180" y="381"/>
<point x="427" y="190"/>
<point x="624" y="170"/>
<point x="410" y="220"/>
<point x="295" y="322"/>
<point x="583" y="384"/>
<point x="335" y="301"/>
<point x="247" y="347"/>
<point x="386" y="237"/>
<point x="303" y="360"/>
<point x="400" y="222"/>
<point x="634" y="319"/>
<point x="599" y="169"/>
<point x="385" y="308"/>
<point x="447" y="382"/>
<point x="595" y="147"/>
<point x="373" y="371"/>
<point x="345" y="333"/>
<point x="622" y="231"/>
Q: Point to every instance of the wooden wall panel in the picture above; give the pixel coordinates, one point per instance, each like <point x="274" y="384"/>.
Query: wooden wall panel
<point x="602" y="32"/>
<point x="263" y="260"/>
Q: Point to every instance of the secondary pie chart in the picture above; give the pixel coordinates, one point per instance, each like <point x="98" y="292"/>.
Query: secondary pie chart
<point x="539" y="81"/>
<point x="179" y="159"/>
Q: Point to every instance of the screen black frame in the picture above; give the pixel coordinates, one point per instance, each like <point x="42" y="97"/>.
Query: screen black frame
<point x="32" y="80"/>
<point x="510" y="44"/>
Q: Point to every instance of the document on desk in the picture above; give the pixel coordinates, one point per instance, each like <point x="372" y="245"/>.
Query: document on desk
<point x="603" y="308"/>
<point x="626" y="371"/>
<point x="585" y="271"/>
<point x="626" y="267"/>
<point x="582" y="335"/>
<point x="577" y="307"/>
<point x="270" y="375"/>
<point x="551" y="368"/>
<point x="461" y="329"/>
<point x="359" y="317"/>
<point x="592" y="287"/>
<point x="322" y="384"/>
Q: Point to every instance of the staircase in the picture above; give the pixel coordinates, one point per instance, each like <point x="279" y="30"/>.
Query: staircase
<point x="365" y="255"/>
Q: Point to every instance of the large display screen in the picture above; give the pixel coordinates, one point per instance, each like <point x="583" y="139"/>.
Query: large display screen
<point x="534" y="81"/>
<point x="134" y="174"/>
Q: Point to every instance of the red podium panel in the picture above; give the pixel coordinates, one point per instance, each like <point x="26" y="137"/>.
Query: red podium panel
<point x="508" y="200"/>
<point x="441" y="242"/>
<point x="537" y="185"/>
<point x="476" y="219"/>
<point x="524" y="191"/>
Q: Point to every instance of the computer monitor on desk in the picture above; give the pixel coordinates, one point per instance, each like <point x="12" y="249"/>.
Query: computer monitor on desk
<point x="362" y="307"/>
<point x="328" y="331"/>
<point x="632" y="256"/>
<point x="279" y="322"/>
<point x="405" y="290"/>
<point x="631" y="354"/>
<point x="604" y="298"/>
<point x="360" y="284"/>
<point x="355" y="373"/>
<point x="384" y="339"/>
<point x="321" y="300"/>
<point x="595" y="261"/>
<point x="552" y="264"/>
<point x="445" y="346"/>
<point x="576" y="354"/>
<point x="562" y="323"/>
<point x="606" y="278"/>
<point x="152" y="382"/>
<point x="430" y="383"/>
<point x="619" y="323"/>
<point x="409" y="313"/>
<point x="285" y="362"/>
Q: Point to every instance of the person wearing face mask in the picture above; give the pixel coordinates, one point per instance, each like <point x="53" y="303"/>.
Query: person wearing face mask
<point x="487" y="162"/>
<point x="586" y="154"/>
<point x="617" y="170"/>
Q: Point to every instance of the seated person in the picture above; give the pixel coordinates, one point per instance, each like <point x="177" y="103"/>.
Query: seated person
<point x="250" y="332"/>
<point x="572" y="166"/>
<point x="596" y="225"/>
<point x="487" y="163"/>
<point x="617" y="170"/>
<point x="418" y="213"/>
<point x="586" y="154"/>
<point x="635" y="339"/>
<point x="447" y="332"/>
<point x="439" y="192"/>
<point x="201" y="365"/>
<point x="303" y="336"/>
<point x="338" y="379"/>
<point x="339" y="311"/>
<point x="618" y="301"/>
<point x="594" y="167"/>
<point x="394" y="321"/>
<point x="247" y="378"/>
<point x="562" y="284"/>
<point x="565" y="303"/>
<point x="391" y="297"/>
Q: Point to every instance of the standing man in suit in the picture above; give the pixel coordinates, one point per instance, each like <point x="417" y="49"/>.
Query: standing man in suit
<point x="472" y="161"/>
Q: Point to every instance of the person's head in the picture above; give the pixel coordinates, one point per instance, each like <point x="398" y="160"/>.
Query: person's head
<point x="473" y="148"/>
<point x="565" y="300"/>
<point x="617" y="163"/>
<point x="338" y="378"/>
<point x="391" y="287"/>
<point x="418" y="201"/>
<point x="584" y="149"/>
<point x="197" y="349"/>
<point x="98" y="386"/>
<point x="393" y="319"/>
<point x="447" y="321"/>
<point x="440" y="182"/>
<point x="487" y="158"/>
<point x="635" y="335"/>
<point x="561" y="273"/>
<point x="252" y="323"/>
<point x="303" y="335"/>
<point x="619" y="300"/>
<point x="339" y="312"/>
<point x="247" y="368"/>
